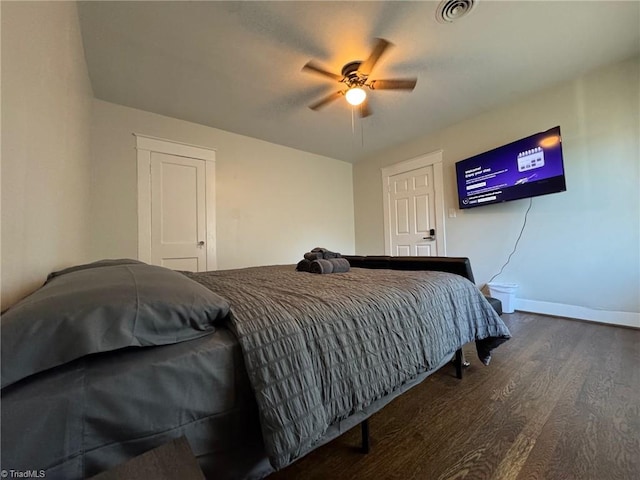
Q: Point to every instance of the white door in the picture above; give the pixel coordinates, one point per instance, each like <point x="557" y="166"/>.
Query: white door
<point x="178" y="206"/>
<point x="412" y="212"/>
<point x="414" y="207"/>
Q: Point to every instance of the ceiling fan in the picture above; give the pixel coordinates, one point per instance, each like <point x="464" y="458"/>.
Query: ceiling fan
<point x="355" y="75"/>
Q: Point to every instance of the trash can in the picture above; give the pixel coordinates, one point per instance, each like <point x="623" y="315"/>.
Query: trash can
<point x="506" y="293"/>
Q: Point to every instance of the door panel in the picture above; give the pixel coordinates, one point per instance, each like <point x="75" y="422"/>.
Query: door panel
<point x="179" y="197"/>
<point x="187" y="264"/>
<point x="402" y="216"/>
<point x="423" y="215"/>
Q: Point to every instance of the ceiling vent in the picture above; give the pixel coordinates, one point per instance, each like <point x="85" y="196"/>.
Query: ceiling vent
<point x="451" y="10"/>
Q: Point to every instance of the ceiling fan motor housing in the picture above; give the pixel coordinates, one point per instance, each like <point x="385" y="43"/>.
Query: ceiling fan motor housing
<point x="351" y="75"/>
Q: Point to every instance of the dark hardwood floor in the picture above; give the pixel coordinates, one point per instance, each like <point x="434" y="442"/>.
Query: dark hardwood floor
<point x="560" y="401"/>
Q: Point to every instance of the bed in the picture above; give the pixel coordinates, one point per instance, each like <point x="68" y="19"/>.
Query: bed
<point x="255" y="367"/>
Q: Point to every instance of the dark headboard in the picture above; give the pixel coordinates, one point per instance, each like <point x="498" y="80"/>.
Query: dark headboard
<point x="457" y="265"/>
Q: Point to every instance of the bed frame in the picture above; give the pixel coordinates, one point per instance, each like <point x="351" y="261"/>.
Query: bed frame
<point x="456" y="265"/>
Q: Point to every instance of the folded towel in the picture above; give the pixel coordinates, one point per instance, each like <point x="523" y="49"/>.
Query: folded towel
<point x="340" y="265"/>
<point x="313" y="256"/>
<point x="330" y="265"/>
<point x="304" y="265"/>
<point x="321" y="266"/>
<point x="326" y="253"/>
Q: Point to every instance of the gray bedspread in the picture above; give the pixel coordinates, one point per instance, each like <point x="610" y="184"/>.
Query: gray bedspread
<point x="319" y="348"/>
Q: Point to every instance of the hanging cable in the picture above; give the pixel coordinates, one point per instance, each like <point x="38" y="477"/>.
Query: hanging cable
<point x="524" y="224"/>
<point x="353" y="122"/>
<point x="361" y="128"/>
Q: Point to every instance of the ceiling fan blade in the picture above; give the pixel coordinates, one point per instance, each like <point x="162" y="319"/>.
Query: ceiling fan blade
<point x="329" y="98"/>
<point x="364" y="109"/>
<point x="315" y="68"/>
<point x="366" y="66"/>
<point x="394" y="84"/>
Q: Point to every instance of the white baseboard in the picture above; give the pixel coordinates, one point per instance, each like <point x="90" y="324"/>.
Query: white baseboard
<point x="627" y="319"/>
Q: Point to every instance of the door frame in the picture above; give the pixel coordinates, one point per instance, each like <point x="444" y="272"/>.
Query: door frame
<point x="433" y="159"/>
<point x="145" y="146"/>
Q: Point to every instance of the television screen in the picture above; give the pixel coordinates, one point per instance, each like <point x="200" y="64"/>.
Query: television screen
<point x="525" y="168"/>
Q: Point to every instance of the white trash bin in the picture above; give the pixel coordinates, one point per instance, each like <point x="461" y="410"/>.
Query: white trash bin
<point x="506" y="293"/>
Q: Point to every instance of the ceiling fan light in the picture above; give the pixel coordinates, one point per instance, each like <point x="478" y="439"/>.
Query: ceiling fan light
<point x="355" y="96"/>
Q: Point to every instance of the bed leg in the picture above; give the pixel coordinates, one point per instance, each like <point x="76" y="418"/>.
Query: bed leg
<point x="365" y="435"/>
<point x="458" y="363"/>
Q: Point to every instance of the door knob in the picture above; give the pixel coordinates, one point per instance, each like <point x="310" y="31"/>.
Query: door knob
<point x="201" y="243"/>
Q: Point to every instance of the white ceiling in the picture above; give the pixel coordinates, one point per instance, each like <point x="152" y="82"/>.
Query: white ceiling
<point x="237" y="65"/>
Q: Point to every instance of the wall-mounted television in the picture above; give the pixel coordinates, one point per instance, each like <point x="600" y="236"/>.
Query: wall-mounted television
<point x="528" y="167"/>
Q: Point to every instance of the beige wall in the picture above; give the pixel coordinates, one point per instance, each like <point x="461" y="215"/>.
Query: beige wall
<point x="46" y="109"/>
<point x="273" y="203"/>
<point x="580" y="247"/>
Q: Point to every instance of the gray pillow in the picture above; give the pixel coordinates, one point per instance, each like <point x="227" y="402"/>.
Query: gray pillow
<point x="82" y="311"/>
<point x="100" y="263"/>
